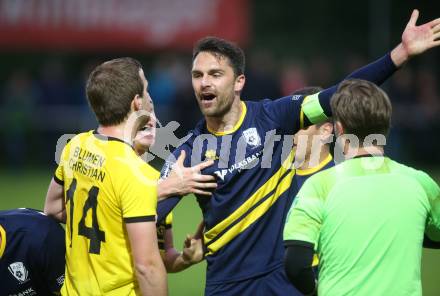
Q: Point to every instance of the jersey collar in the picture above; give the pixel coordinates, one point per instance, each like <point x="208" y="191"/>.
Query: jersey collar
<point x="3" y="243"/>
<point x="108" y="138"/>
<point x="315" y="169"/>
<point x="235" y="127"/>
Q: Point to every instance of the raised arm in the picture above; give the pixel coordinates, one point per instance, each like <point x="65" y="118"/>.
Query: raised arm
<point x="415" y="41"/>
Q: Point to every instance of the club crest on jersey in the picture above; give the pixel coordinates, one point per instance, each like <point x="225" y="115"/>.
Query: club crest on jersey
<point x="19" y="271"/>
<point x="251" y="136"/>
<point x="210" y="155"/>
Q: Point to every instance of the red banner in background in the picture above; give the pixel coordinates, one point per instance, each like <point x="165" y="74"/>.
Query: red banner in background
<point x="119" y="24"/>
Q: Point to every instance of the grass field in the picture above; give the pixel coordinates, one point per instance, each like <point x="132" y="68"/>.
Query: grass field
<point x="29" y="189"/>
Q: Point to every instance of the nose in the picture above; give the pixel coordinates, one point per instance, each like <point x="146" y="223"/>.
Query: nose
<point x="206" y="81"/>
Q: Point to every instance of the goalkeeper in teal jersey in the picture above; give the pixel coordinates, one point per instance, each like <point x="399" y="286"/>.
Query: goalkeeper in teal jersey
<point x="365" y="215"/>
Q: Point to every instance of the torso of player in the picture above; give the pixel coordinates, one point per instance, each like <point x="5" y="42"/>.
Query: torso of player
<point x="96" y="174"/>
<point x="247" y="210"/>
<point x="20" y="272"/>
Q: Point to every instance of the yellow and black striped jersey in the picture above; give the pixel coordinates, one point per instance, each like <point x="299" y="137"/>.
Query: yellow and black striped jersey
<point x="105" y="186"/>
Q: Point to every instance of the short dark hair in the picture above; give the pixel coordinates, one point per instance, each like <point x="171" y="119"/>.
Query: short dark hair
<point x="362" y="108"/>
<point x="111" y="88"/>
<point x="222" y="48"/>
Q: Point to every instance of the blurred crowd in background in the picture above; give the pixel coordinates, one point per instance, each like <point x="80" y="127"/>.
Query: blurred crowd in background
<point x="42" y="92"/>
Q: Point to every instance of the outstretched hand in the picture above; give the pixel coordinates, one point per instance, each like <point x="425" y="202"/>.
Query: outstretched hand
<point x="193" y="246"/>
<point x="185" y="180"/>
<point x="418" y="39"/>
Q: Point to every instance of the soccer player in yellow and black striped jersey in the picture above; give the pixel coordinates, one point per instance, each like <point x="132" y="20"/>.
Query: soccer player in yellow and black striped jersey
<point x="108" y="195"/>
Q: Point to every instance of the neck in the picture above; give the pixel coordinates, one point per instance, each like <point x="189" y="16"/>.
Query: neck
<point x="310" y="162"/>
<point x="370" y="150"/>
<point x="116" y="131"/>
<point x="227" y="121"/>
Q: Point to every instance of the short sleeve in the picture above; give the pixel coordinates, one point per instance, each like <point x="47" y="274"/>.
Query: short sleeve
<point x="305" y="217"/>
<point x="284" y="112"/>
<point x="59" y="172"/>
<point x="433" y="192"/>
<point x="139" y="196"/>
<point x="52" y="256"/>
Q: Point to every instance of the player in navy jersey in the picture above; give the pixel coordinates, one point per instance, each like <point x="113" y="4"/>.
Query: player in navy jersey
<point x="312" y="145"/>
<point x="251" y="145"/>
<point x="32" y="253"/>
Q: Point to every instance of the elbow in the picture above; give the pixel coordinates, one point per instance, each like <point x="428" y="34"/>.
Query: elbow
<point x="149" y="268"/>
<point x="298" y="268"/>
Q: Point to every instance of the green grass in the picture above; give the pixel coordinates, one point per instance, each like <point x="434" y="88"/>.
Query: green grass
<point x="29" y="189"/>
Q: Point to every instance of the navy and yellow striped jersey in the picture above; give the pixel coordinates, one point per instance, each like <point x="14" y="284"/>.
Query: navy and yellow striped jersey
<point x="161" y="229"/>
<point x="32" y="253"/>
<point x="302" y="175"/>
<point x="245" y="215"/>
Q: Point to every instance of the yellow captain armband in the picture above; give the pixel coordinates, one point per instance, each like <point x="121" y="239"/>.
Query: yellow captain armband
<point x="313" y="110"/>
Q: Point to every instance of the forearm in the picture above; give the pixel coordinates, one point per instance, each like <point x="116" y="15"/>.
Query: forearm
<point x="174" y="261"/>
<point x="399" y="55"/>
<point x="377" y="72"/>
<point x="298" y="266"/>
<point x="152" y="279"/>
<point x="163" y="191"/>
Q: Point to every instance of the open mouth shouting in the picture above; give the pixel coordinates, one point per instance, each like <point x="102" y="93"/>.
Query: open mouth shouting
<point x="207" y="99"/>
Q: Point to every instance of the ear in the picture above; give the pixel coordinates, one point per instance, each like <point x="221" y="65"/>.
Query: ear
<point x="326" y="131"/>
<point x="339" y="129"/>
<point x="239" y="83"/>
<point x="136" y="104"/>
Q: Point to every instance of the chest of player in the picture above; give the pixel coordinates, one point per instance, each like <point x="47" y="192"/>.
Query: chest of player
<point x="243" y="162"/>
<point x="17" y="273"/>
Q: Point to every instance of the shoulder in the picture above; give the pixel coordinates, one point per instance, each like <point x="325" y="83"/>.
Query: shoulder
<point x="321" y="182"/>
<point x="33" y="222"/>
<point x="421" y="177"/>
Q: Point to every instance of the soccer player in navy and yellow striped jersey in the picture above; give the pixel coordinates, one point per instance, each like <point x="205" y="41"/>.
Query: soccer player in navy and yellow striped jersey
<point x="185" y="181"/>
<point x="245" y="215"/>
<point x="32" y="251"/>
<point x="108" y="194"/>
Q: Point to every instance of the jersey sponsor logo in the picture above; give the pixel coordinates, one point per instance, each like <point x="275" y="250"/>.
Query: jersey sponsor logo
<point x="221" y="174"/>
<point x="60" y="280"/>
<point x="251" y="136"/>
<point x="247" y="163"/>
<point x="296" y="97"/>
<point x="27" y="292"/>
<point x="210" y="155"/>
<point x="19" y="271"/>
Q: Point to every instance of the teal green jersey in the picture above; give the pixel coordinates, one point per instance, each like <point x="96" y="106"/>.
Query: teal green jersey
<point x="366" y="217"/>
